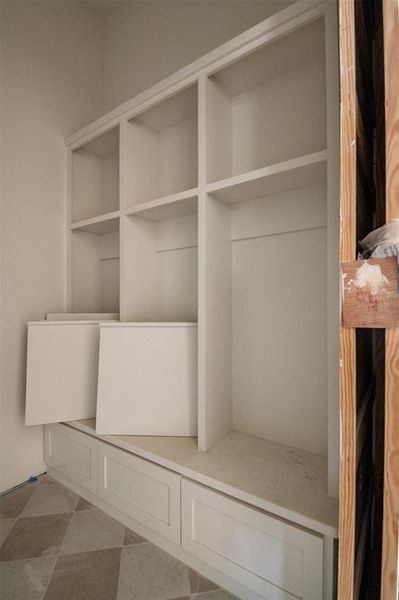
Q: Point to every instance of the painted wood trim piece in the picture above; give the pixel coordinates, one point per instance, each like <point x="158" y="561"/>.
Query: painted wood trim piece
<point x="346" y="556"/>
<point x="390" y="571"/>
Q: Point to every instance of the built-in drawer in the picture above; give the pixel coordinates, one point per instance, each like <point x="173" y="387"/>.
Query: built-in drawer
<point x="139" y="488"/>
<point x="73" y="454"/>
<point x="267" y="555"/>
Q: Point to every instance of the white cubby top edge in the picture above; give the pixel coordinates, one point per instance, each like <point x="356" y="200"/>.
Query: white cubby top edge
<point x="82" y="316"/>
<point x="284" y="21"/>
<point x="46" y="323"/>
<point x="159" y="325"/>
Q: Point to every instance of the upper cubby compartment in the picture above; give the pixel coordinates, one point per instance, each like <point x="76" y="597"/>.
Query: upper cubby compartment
<point x="162" y="149"/>
<point x="268" y="107"/>
<point x="94" y="267"/>
<point x="95" y="177"/>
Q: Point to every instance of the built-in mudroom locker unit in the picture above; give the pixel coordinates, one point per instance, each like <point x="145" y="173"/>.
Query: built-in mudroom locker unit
<point x="190" y="389"/>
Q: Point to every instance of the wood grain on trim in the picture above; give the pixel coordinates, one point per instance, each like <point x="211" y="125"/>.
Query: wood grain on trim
<point x="390" y="575"/>
<point x="348" y="103"/>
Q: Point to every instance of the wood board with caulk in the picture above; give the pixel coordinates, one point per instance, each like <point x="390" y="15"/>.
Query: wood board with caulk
<point x="370" y="293"/>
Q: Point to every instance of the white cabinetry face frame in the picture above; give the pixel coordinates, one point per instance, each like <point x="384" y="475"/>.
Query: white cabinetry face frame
<point x="144" y="491"/>
<point x="72" y="453"/>
<point x="252" y="546"/>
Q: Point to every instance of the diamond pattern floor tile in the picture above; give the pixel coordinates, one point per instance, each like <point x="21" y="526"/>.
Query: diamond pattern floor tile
<point x="35" y="536"/>
<point x="148" y="573"/>
<point x="12" y="504"/>
<point x="5" y="527"/>
<point x="92" y="530"/>
<point x="132" y="538"/>
<point x="26" y="579"/>
<point x="55" y="545"/>
<point x="50" y="499"/>
<point x="86" y="576"/>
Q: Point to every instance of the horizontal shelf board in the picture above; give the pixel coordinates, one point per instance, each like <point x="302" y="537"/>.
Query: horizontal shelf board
<point x="150" y="324"/>
<point x="284" y="481"/>
<point x="169" y="207"/>
<point x="296" y="173"/>
<point x="106" y="223"/>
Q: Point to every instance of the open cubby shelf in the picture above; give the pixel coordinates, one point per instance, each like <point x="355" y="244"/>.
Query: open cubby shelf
<point x="95" y="177"/>
<point x="162" y="149"/>
<point x="162" y="280"/>
<point x="95" y="268"/>
<point x="269" y="106"/>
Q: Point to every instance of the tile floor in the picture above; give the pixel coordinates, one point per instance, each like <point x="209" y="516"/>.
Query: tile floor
<point x="54" y="545"/>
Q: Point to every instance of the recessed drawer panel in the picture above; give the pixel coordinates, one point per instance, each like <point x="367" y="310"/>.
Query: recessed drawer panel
<point x="148" y="493"/>
<point x="72" y="453"/>
<point x="267" y="555"/>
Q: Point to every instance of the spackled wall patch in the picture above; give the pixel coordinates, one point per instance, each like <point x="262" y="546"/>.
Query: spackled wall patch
<point x="371" y="293"/>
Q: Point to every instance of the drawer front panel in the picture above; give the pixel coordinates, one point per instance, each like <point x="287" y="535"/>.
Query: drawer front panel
<point x="267" y="555"/>
<point x="72" y="453"/>
<point x="148" y="493"/>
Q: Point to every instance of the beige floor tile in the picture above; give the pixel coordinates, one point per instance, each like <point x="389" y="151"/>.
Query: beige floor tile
<point x="50" y="499"/>
<point x="215" y="595"/>
<point x="13" y="503"/>
<point x="5" y="527"/>
<point x="35" y="536"/>
<point x="84" y="505"/>
<point x="198" y="583"/>
<point x="25" y="579"/>
<point x="148" y="573"/>
<point x="92" y="530"/>
<point x="85" y="576"/>
<point x="132" y="538"/>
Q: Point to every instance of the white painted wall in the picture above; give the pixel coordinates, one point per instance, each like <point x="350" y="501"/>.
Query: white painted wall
<point x="147" y="40"/>
<point x="52" y="84"/>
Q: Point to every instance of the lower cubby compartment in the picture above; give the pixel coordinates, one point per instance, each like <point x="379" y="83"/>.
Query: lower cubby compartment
<point x="250" y="552"/>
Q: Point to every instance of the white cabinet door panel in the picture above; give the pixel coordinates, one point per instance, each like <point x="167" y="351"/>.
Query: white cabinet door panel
<point x="148" y="493"/>
<point x="147" y="382"/>
<point x="62" y="371"/>
<point x="269" y="556"/>
<point x="72" y="453"/>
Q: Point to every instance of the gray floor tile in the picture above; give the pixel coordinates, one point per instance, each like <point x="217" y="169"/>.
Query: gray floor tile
<point x="198" y="583"/>
<point x="35" y="536"/>
<point x="84" y="505"/>
<point x="5" y="527"/>
<point x="215" y="595"/>
<point x="148" y="573"/>
<point x="92" y="530"/>
<point x="13" y="503"/>
<point x="85" y="576"/>
<point x="132" y="538"/>
<point x="50" y="499"/>
<point x="25" y="579"/>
